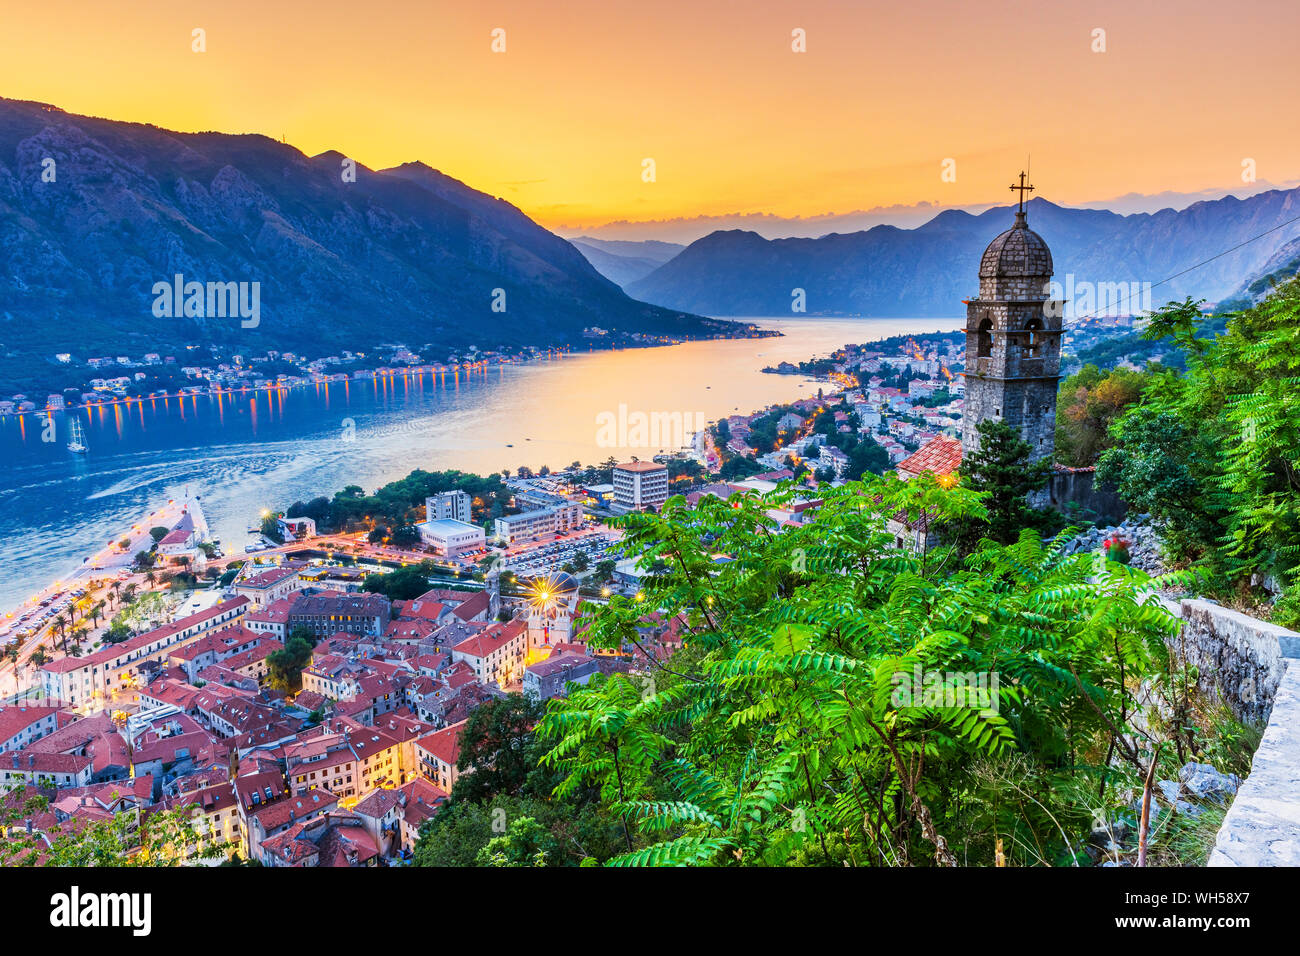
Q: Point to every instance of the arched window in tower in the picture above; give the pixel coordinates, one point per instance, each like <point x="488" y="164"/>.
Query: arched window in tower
<point x="1033" y="340"/>
<point x="984" y="339"/>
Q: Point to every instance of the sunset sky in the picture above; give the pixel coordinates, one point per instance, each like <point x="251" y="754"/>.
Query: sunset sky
<point x="736" y="122"/>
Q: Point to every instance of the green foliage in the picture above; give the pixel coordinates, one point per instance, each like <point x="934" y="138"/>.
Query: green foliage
<point x="1087" y="404"/>
<point x="401" y="584"/>
<point x="399" y="504"/>
<point x="524" y="844"/>
<point x="405" y="536"/>
<point x="1003" y="474"/>
<point x="1215" y="452"/>
<point x="492" y="833"/>
<point x="271" y="529"/>
<point x="823" y="710"/>
<point x="497" y="740"/>
<point x="116" y="632"/>
<point x="867" y="458"/>
<point x="128" y="838"/>
<point x="284" y="667"/>
<point x="738" y="466"/>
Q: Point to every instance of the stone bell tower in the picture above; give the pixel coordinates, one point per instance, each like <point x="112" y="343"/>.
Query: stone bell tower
<point x="1013" y="340"/>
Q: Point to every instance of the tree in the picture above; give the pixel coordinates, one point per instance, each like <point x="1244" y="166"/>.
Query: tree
<point x="497" y="742"/>
<point x="270" y="529"/>
<point x="60" y="624"/>
<point x="1214" y="452"/>
<point x="1002" y="471"/>
<point x="406" y="536"/>
<point x="738" y="466"/>
<point x="319" y="509"/>
<point x="402" y="584"/>
<point x="826" y="708"/>
<point x="580" y="561"/>
<point x="127" y="838"/>
<point x="605" y="569"/>
<point x="524" y="844"/>
<point x="574" y="832"/>
<point x="867" y="458"/>
<point x="1088" y="403"/>
<point x="157" y="533"/>
<point x="284" y="666"/>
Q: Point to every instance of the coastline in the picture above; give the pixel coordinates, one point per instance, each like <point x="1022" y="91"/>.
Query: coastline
<point x="480" y="431"/>
<point x="285" y="382"/>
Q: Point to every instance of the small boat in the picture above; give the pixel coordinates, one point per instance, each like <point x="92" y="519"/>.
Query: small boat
<point x="77" y="445"/>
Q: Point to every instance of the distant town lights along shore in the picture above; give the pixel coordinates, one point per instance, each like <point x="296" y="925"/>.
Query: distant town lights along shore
<point x="213" y="300"/>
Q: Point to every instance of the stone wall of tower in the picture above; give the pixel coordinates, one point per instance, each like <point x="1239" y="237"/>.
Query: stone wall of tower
<point x="1020" y="288"/>
<point x="1016" y="380"/>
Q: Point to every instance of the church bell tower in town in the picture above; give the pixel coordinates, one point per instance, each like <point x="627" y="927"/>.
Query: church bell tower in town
<point x="1013" y="340"/>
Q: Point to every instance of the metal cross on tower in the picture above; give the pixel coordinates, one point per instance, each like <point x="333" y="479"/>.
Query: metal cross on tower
<point x="1023" y="189"/>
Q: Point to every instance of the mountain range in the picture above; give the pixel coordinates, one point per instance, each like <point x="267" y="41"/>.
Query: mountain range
<point x="624" y="261"/>
<point x="95" y="212"/>
<point x="929" y="270"/>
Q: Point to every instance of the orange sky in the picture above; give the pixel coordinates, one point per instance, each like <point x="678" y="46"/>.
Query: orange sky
<point x="736" y="122"/>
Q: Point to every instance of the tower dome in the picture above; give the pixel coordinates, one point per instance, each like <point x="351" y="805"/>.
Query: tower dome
<point x="1016" y="266"/>
<point x="1019" y="253"/>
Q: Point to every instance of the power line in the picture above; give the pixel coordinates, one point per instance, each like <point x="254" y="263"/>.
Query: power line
<point x="1281" y="225"/>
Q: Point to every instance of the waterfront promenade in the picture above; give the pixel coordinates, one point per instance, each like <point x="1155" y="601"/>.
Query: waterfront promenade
<point x="31" y="623"/>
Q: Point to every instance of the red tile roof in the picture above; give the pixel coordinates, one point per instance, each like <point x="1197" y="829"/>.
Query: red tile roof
<point x="939" y="456"/>
<point x="125" y="648"/>
<point x="443" y="744"/>
<point x="473" y="606"/>
<point x="492" y="639"/>
<point x="13" y="720"/>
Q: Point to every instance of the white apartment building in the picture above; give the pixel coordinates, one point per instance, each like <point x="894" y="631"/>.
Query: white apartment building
<point x="639" y="485"/>
<point x="448" y="505"/>
<point x="114" y="668"/>
<point x="497" y="653"/>
<point x="529" y="525"/>
<point x="450" y="537"/>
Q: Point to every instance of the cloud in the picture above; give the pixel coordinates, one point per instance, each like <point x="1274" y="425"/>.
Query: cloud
<point x="686" y="229"/>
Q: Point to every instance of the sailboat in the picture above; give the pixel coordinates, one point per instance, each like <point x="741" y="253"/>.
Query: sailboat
<point x="78" y="443"/>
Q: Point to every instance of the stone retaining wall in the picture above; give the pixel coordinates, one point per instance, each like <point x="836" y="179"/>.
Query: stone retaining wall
<point x="1254" y="667"/>
<point x="1240" y="659"/>
<point x="1262" y="827"/>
